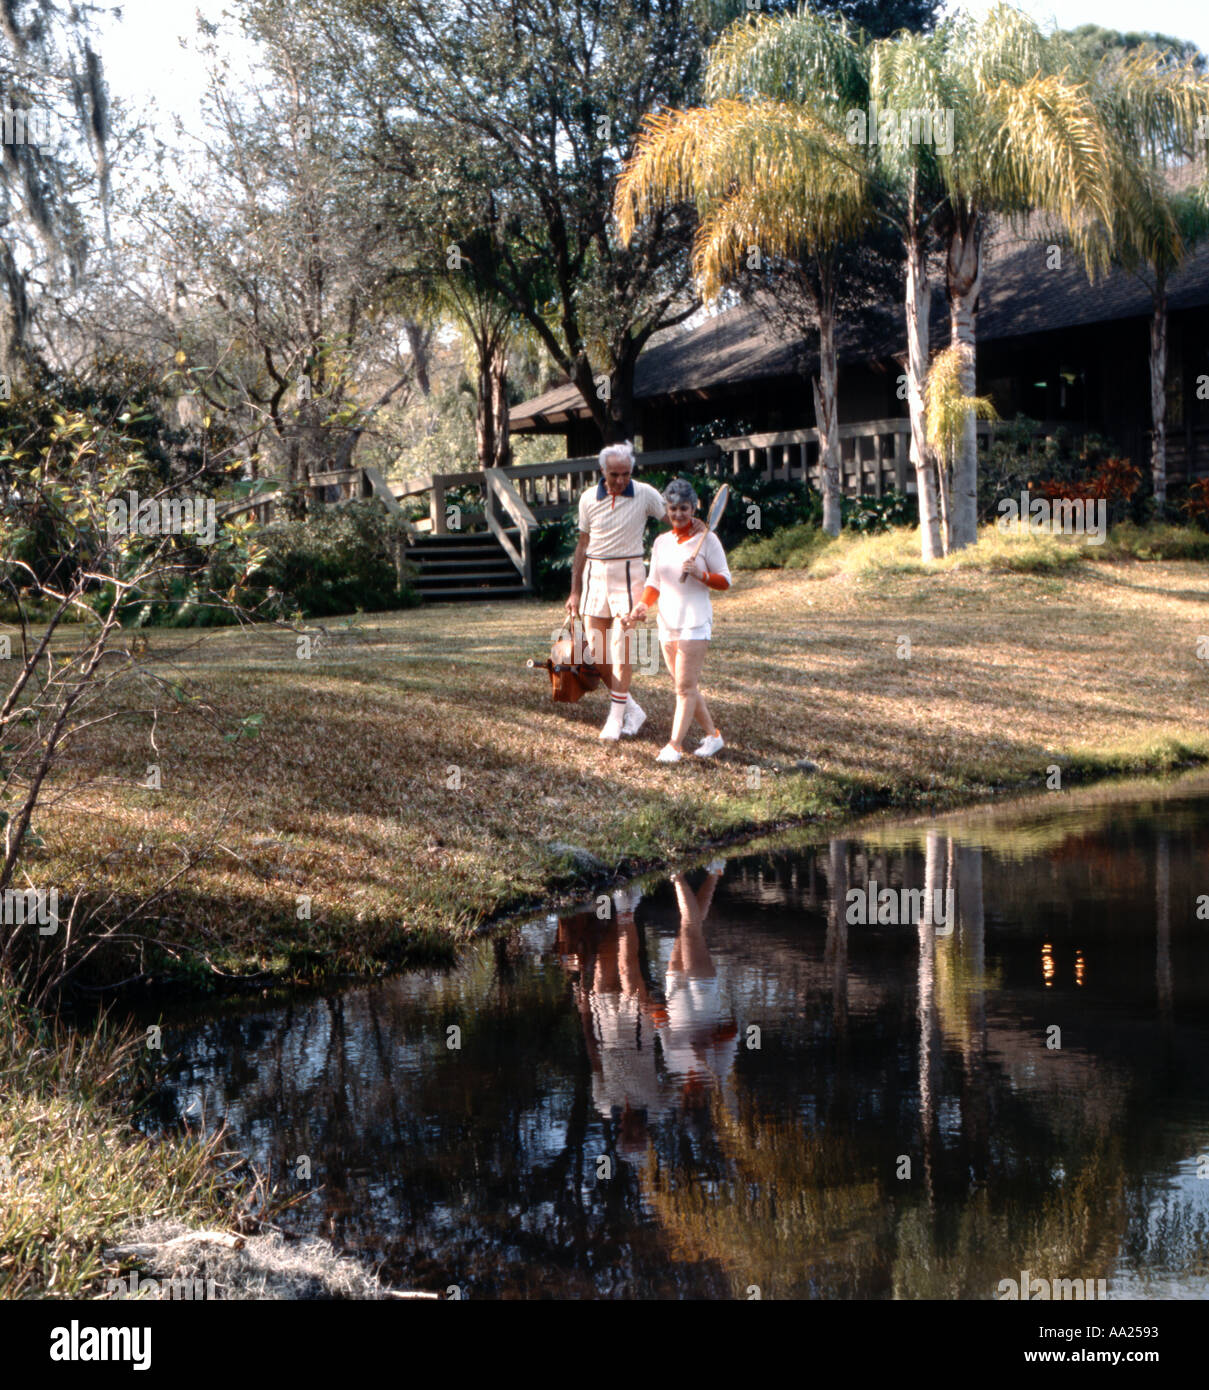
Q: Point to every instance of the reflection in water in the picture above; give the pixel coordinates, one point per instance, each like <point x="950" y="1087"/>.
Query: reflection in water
<point x="622" y="1018"/>
<point x="729" y="1082"/>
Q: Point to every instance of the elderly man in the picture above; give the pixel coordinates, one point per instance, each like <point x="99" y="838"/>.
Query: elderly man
<point x="612" y="519"/>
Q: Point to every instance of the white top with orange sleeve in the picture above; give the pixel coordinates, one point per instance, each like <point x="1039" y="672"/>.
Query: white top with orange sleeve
<point x="684" y="605"/>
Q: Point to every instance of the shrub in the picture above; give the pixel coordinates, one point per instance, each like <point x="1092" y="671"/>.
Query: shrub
<point x="338" y="559"/>
<point x="1017" y="458"/>
<point x="1157" y="542"/>
<point x="793" y="547"/>
<point x="1196" y="504"/>
<point x="553" y="548"/>
<point x="868" y="514"/>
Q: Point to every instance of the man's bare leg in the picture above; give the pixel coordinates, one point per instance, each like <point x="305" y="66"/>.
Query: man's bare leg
<point x="598" y="647"/>
<point x="614" y="668"/>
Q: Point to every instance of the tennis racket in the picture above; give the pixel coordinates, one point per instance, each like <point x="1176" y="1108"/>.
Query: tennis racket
<point x="717" y="507"/>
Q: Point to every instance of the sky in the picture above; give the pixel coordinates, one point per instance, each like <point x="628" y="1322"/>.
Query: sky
<point x="145" y="61"/>
<point x="1183" y="19"/>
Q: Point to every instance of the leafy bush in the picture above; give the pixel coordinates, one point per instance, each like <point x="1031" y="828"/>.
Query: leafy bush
<point x="793" y="547"/>
<point x="1017" y="459"/>
<point x="1196" y="503"/>
<point x="469" y="501"/>
<point x="337" y="560"/>
<point x="1156" y="542"/>
<point x="553" y="548"/>
<point x="868" y="515"/>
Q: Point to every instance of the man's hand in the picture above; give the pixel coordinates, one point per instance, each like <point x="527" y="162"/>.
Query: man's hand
<point x="573" y="604"/>
<point x="697" y="527"/>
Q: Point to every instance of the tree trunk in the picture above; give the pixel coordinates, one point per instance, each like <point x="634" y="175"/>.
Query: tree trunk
<point x="612" y="411"/>
<point x="918" y="308"/>
<point x="484" y="415"/>
<point x="946" y="509"/>
<point x="15" y="318"/>
<point x="619" y="408"/>
<point x="826" y="412"/>
<point x="418" y="340"/>
<point x="964" y="280"/>
<point x="1158" y="395"/>
<point x="498" y="367"/>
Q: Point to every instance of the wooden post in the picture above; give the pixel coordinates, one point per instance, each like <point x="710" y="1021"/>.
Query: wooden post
<point x="877" y="463"/>
<point x="436" y="508"/>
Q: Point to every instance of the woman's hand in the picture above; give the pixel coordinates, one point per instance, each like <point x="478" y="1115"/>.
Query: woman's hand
<point x="637" y="614"/>
<point x="695" y="568"/>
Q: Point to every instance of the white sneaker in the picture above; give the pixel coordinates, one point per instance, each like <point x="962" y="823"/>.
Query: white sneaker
<point x="635" y="717"/>
<point x="612" y="725"/>
<point x="626" y="899"/>
<point x="709" y="746"/>
<point x="667" y="754"/>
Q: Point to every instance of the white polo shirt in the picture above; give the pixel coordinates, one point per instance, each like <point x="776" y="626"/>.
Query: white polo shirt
<point x="615" y="525"/>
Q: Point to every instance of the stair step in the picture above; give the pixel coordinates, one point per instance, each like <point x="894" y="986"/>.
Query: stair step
<point x="470" y="552"/>
<point x="427" y="566"/>
<point x="503" y="591"/>
<point x="425" y="582"/>
<point x="456" y="539"/>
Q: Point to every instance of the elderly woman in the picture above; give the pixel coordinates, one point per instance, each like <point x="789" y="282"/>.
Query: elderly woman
<point x="685" y="614"/>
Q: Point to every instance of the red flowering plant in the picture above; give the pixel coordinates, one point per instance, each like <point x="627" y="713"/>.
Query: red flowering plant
<point x="1115" y="480"/>
<point x="1196" y="504"/>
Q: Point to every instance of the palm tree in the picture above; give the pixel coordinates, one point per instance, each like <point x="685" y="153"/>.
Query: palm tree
<point x="951" y="412"/>
<point x="767" y="176"/>
<point x="1027" y="134"/>
<point x="808" y="61"/>
<point x="1156" y="106"/>
<point x="1024" y="133"/>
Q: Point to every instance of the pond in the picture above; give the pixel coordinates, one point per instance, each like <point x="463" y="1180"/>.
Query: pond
<point x="912" y="1061"/>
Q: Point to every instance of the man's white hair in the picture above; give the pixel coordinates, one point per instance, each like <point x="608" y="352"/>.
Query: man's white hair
<point x="622" y="451"/>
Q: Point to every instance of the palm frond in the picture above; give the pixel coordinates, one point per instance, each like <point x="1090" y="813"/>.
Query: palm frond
<point x="800" y="57"/>
<point x="708" y="153"/>
<point x="948" y="407"/>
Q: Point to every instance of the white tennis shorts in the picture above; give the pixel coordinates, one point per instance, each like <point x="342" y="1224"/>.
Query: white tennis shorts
<point x="686" y="634"/>
<point x="612" y="587"/>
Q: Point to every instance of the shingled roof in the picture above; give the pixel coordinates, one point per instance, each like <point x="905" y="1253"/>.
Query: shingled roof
<point x="1020" y="295"/>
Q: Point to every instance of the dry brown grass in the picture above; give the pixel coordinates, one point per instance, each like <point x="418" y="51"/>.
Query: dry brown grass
<point x="343" y="796"/>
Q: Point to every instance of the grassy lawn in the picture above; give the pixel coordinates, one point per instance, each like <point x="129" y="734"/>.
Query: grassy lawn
<point x="408" y="777"/>
<point x="74" y="1173"/>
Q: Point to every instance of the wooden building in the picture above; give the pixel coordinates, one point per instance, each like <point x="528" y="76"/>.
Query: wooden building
<point x="1051" y="346"/>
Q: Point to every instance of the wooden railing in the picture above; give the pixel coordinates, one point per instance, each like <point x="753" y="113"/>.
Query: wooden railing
<point x="503" y="495"/>
<point x="335" y="485"/>
<point x="874" y="454"/>
<point x="548" y="489"/>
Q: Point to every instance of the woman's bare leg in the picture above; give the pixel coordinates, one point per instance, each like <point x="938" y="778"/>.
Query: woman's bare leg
<point x="669" y="650"/>
<point x="702" y="715"/>
<point x="690" y="658"/>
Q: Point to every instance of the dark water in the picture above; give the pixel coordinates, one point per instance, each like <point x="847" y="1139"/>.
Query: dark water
<point x="740" y="1084"/>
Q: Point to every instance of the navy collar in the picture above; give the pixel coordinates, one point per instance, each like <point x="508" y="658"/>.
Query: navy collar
<point x="602" y="492"/>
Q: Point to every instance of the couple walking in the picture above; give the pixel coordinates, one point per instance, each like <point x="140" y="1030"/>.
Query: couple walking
<point x="612" y="592"/>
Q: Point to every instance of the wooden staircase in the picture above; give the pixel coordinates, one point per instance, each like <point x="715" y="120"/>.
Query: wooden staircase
<point x="469" y="565"/>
